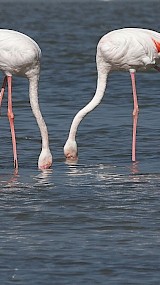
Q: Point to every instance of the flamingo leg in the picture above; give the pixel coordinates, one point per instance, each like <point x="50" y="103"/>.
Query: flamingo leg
<point x="135" y="114"/>
<point x="3" y="89"/>
<point x="11" y="121"/>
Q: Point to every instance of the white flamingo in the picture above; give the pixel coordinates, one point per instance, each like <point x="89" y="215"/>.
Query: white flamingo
<point x="20" y="55"/>
<point x="129" y="49"/>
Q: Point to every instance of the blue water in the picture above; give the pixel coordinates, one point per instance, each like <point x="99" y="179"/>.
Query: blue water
<point x="98" y="221"/>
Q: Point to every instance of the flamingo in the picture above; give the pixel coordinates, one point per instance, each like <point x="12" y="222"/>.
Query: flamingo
<point x="20" y="55"/>
<point x="128" y="49"/>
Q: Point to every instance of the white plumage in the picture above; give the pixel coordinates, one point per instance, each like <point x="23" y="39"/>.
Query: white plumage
<point x="20" y="55"/>
<point x="128" y="49"/>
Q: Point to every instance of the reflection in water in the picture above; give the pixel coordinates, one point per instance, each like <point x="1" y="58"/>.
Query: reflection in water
<point x="44" y="177"/>
<point x="9" y="181"/>
<point x="107" y="175"/>
<point x="134" y="167"/>
<point x="16" y="181"/>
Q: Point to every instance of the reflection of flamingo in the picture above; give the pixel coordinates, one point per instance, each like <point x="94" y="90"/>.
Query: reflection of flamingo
<point x="128" y="49"/>
<point x="20" y="55"/>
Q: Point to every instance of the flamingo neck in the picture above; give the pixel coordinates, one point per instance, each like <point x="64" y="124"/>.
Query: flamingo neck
<point x="101" y="85"/>
<point x="33" y="95"/>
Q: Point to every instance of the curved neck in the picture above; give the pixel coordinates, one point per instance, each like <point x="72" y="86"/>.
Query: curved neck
<point x="101" y="85"/>
<point x="33" y="95"/>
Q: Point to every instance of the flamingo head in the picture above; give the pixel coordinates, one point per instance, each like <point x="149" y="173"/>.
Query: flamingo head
<point x="70" y="150"/>
<point x="45" y="159"/>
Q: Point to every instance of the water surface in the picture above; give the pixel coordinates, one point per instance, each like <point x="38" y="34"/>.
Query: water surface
<point x="96" y="222"/>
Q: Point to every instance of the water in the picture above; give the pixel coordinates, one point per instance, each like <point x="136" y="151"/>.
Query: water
<point x="96" y="222"/>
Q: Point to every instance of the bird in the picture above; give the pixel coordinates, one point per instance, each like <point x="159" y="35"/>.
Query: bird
<point x="126" y="49"/>
<point x="20" y="55"/>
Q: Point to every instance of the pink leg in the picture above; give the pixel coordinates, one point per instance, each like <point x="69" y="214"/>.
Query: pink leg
<point x="135" y="114"/>
<point x="3" y="89"/>
<point x="11" y="120"/>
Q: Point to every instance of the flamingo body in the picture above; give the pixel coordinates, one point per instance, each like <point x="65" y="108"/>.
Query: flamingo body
<point x="128" y="49"/>
<point x="20" y="55"/>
